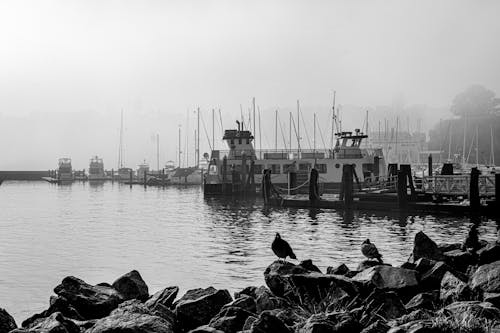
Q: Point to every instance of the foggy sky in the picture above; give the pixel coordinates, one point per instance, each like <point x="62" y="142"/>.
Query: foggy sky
<point x="67" y="68"/>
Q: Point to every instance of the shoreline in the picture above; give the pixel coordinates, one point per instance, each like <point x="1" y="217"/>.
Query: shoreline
<point x="446" y="287"/>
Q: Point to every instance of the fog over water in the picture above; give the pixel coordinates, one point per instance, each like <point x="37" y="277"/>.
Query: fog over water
<point x="67" y="68"/>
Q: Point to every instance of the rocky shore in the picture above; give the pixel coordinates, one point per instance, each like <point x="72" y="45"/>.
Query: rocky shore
<point x="441" y="288"/>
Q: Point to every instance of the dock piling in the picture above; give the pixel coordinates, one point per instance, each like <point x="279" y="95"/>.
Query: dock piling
<point x="402" y="188"/>
<point x="429" y="165"/>
<point x="130" y="178"/>
<point x="346" y="190"/>
<point x="313" y="185"/>
<point x="474" y="189"/>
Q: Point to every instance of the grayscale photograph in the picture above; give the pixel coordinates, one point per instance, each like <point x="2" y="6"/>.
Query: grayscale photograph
<point x="237" y="166"/>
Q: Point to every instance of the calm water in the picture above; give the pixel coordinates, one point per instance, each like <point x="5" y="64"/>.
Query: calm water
<point x="175" y="236"/>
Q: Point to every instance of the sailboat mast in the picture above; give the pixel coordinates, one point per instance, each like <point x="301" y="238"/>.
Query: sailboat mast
<point x="449" y="143"/>
<point x="213" y="128"/>
<point x="314" y="136"/>
<point x="179" y="146"/>
<point x="120" y="148"/>
<point x="254" y="128"/>
<point x="198" y="140"/>
<point x="492" y="154"/>
<point x="158" y="152"/>
<point x="333" y="121"/>
<point x="260" y="134"/>
<point x="477" y="146"/>
<point x="298" y="125"/>
<point x="290" y="132"/>
<point x="465" y="138"/>
<point x="276" y="130"/>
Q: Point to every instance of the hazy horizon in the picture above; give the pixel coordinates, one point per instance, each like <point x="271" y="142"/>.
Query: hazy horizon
<point x="68" y="68"/>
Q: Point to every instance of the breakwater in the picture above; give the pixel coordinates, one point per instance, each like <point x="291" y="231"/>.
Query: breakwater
<point x="440" y="288"/>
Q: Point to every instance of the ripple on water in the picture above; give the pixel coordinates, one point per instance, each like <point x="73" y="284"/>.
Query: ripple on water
<point x="175" y="236"/>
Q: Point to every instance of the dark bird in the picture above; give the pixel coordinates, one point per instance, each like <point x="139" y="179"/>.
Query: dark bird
<point x="370" y="251"/>
<point x="281" y="248"/>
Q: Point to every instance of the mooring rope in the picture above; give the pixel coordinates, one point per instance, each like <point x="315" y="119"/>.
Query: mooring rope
<point x="294" y="188"/>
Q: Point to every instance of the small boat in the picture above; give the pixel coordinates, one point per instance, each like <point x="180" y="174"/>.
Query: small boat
<point x="65" y="171"/>
<point x="96" y="169"/>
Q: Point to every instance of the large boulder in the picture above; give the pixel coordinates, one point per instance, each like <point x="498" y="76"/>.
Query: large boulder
<point x="487" y="278"/>
<point x="424" y="247"/>
<point x="385" y="304"/>
<point x="7" y="322"/>
<point x="57" y="304"/>
<point x="264" y="298"/>
<point x="459" y="260"/>
<point x="432" y="278"/>
<point x="267" y="322"/>
<point x="488" y="254"/>
<point x="164" y="297"/>
<point x="453" y="289"/>
<point x="197" y="307"/>
<point x="422" y="301"/>
<point x="295" y="282"/>
<point x="132" y="317"/>
<point x="55" y="323"/>
<point x="341" y="269"/>
<point x="90" y="301"/>
<point x="245" y="302"/>
<point x="132" y="286"/>
<point x="230" y="319"/>
<point x="388" y="278"/>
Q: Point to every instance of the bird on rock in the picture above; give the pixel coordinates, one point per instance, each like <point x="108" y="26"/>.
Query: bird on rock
<point x="370" y="251"/>
<point x="281" y="248"/>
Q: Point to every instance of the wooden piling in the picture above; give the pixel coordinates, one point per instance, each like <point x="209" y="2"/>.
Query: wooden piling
<point x="402" y="188"/>
<point x="376" y="167"/>
<point x="447" y="169"/>
<point x="112" y="175"/>
<point x="474" y="190"/>
<point x="429" y="165"/>
<point x="163" y="177"/>
<point x="131" y="178"/>
<point x="313" y="185"/>
<point x="244" y="173"/>
<point x="145" y="178"/>
<point x="406" y="168"/>
<point x="346" y="192"/>
<point x="224" y="174"/>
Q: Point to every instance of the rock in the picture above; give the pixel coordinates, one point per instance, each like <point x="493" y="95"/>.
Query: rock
<point x="55" y="323"/>
<point x="164" y="297"/>
<point x="7" y="322"/>
<point x="249" y="322"/>
<point x="162" y="311"/>
<point x="57" y="304"/>
<point x="382" y="303"/>
<point x="488" y="254"/>
<point x="308" y="264"/>
<point x="474" y="309"/>
<point x="245" y="302"/>
<point x="365" y="264"/>
<point x="265" y="300"/>
<point x="91" y="302"/>
<point x="432" y="278"/>
<point x="445" y="247"/>
<point x="342" y="269"/>
<point x="408" y="265"/>
<point x="493" y="298"/>
<point x="230" y="319"/>
<point x="459" y="260"/>
<point x="453" y="289"/>
<point x="194" y="294"/>
<point x="294" y="282"/>
<point x="205" y="329"/>
<point x="197" y="307"/>
<point x="249" y="291"/>
<point x="487" y="278"/>
<point x="132" y="286"/>
<point x="267" y="323"/>
<point x="388" y="278"/>
<point x="132" y="317"/>
<point x="422" y="265"/>
<point x="422" y="301"/>
<point x="424" y="247"/>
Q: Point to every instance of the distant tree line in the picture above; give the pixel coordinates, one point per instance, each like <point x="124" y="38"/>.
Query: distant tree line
<point x="477" y="119"/>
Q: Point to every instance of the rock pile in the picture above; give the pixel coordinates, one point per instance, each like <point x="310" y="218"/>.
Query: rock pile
<point x="442" y="288"/>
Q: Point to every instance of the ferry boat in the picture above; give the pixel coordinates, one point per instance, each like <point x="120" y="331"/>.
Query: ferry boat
<point x="224" y="165"/>
<point x="96" y="169"/>
<point x="65" y="171"/>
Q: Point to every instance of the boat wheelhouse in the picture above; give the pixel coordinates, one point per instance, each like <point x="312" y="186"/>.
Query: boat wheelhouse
<point x="226" y="167"/>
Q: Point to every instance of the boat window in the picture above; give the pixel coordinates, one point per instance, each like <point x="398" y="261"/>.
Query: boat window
<point x="337" y="165"/>
<point x="304" y="166"/>
<point x="275" y="168"/>
<point x="322" y="168"/>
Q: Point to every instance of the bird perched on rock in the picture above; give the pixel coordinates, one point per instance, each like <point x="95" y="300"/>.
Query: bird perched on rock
<point x="281" y="248"/>
<point x="370" y="251"/>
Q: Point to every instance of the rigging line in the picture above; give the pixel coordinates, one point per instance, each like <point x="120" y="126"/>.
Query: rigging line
<point x="282" y="133"/>
<point x="206" y="132"/>
<point x="221" y="125"/>
<point x="305" y="129"/>
<point x="322" y="139"/>
<point x="260" y="132"/>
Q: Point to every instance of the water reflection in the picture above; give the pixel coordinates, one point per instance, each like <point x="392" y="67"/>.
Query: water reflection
<point x="175" y="236"/>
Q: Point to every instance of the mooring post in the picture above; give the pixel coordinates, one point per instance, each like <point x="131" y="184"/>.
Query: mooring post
<point x="474" y="190"/>
<point x="292" y="179"/>
<point x="266" y="185"/>
<point x="376" y="167"/>
<point x="429" y="165"/>
<point x="163" y="177"/>
<point x="130" y="178"/>
<point x="233" y="177"/>
<point x="347" y="184"/>
<point x="402" y="188"/>
<point x="112" y="175"/>
<point x="145" y="178"/>
<point x="224" y="174"/>
<point x="406" y="169"/>
<point x="313" y="186"/>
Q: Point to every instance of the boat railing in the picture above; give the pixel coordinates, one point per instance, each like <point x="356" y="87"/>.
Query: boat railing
<point x="457" y="185"/>
<point x="273" y="154"/>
